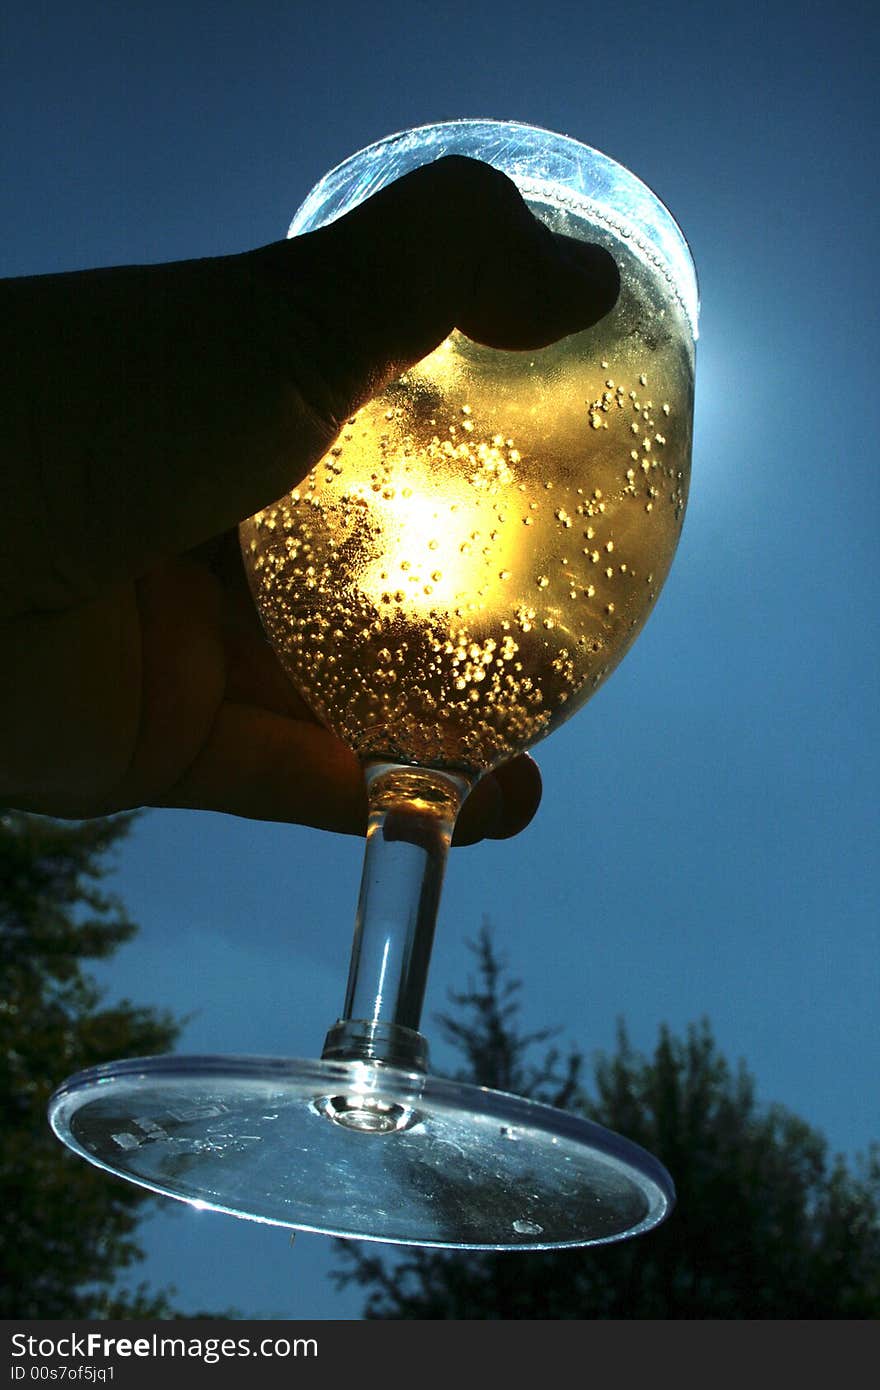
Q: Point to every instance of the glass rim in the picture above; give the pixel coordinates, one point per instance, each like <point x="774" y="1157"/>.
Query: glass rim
<point x="664" y="242"/>
<point x="322" y="1071"/>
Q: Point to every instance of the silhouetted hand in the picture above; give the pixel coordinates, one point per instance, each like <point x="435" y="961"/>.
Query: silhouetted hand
<point x="149" y="410"/>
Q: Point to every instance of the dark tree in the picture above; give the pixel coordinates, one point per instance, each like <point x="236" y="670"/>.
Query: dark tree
<point x="767" y="1224"/>
<point x="67" y="1230"/>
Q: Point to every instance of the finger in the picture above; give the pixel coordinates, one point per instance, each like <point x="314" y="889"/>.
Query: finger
<point x="263" y="766"/>
<point x="451" y="244"/>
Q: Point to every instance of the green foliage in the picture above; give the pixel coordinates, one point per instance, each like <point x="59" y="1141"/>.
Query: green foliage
<point x="66" y="1229"/>
<point x="767" y="1224"/>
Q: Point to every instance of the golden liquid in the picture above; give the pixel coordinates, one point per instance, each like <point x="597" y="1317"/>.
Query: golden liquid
<point x="485" y="539"/>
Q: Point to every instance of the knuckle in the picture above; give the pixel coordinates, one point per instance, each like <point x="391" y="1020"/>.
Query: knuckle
<point x="476" y="180"/>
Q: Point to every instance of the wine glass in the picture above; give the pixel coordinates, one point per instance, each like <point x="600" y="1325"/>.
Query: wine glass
<point x="468" y="562"/>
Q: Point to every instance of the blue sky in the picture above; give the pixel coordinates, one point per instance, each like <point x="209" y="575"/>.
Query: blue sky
<point x="708" y="840"/>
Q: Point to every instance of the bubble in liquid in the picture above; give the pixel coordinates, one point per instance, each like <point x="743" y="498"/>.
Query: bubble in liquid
<point x="528" y="1228"/>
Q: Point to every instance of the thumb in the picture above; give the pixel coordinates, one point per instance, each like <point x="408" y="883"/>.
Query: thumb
<point x="450" y="245"/>
<point x="150" y="408"/>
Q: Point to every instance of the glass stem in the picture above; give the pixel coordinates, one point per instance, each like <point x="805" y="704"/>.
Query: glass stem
<point x="411" y="818"/>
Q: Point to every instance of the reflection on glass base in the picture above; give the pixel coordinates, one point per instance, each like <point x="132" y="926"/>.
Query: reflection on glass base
<point x="361" y="1150"/>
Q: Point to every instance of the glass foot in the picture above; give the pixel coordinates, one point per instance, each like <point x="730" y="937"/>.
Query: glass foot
<point x="361" y="1150"/>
